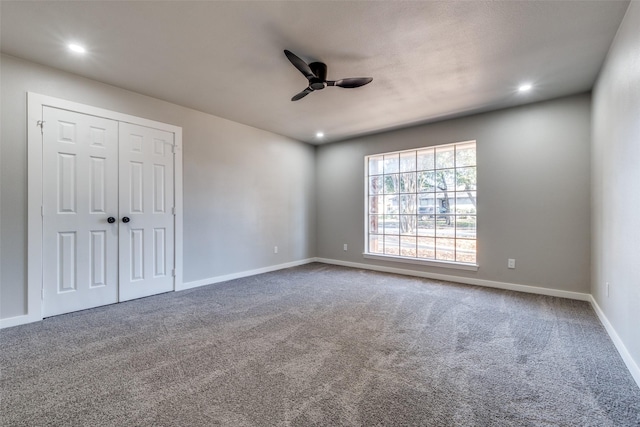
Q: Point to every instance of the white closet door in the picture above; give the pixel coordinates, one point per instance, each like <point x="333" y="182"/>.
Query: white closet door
<point x="146" y="211"/>
<point x="80" y="193"/>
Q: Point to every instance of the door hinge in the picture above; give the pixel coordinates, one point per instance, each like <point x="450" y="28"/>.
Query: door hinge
<point x="173" y="210"/>
<point x="42" y="211"/>
<point x="173" y="272"/>
<point x="42" y="294"/>
<point x="174" y="148"/>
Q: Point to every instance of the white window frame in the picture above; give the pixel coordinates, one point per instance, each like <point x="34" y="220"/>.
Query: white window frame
<point x="405" y="259"/>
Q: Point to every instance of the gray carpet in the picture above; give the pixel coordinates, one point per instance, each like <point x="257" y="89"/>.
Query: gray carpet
<point x="320" y="345"/>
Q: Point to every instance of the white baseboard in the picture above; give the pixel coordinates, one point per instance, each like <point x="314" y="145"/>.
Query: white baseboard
<point x="624" y="353"/>
<point x="622" y="349"/>
<point x="24" y="319"/>
<point x="18" y="320"/>
<point x="466" y="280"/>
<point x="226" y="277"/>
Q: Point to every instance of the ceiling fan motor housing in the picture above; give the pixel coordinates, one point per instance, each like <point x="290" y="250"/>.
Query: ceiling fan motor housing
<point x="320" y="70"/>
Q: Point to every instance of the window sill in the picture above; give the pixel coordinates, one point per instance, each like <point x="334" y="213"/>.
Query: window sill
<point x="430" y="263"/>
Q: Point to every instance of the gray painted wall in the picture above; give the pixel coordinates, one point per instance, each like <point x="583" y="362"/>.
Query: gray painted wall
<point x="616" y="184"/>
<point x="245" y="190"/>
<point x="533" y="197"/>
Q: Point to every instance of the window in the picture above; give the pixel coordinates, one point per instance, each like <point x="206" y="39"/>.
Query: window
<point x="421" y="204"/>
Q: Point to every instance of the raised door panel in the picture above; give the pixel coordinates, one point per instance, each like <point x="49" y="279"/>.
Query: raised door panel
<point x="98" y="185"/>
<point x="98" y="258"/>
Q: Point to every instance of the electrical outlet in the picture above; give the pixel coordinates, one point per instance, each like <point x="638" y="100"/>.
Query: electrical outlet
<point x="511" y="263"/>
<point x="275" y="249"/>
<point x="607" y="289"/>
<point x="345" y="247"/>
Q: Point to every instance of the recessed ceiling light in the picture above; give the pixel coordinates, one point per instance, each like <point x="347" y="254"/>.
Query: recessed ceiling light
<point x="526" y="87"/>
<point x="320" y="135"/>
<point x="76" y="48"/>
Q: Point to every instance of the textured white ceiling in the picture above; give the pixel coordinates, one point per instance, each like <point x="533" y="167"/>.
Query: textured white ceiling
<point x="428" y="60"/>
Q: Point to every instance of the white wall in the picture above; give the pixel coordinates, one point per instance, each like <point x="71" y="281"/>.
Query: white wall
<point x="245" y="190"/>
<point x="533" y="197"/>
<point x="616" y="185"/>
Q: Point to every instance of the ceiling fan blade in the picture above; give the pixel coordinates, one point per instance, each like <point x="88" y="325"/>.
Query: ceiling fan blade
<point x="302" y="94"/>
<point x="351" y="82"/>
<point x="302" y="66"/>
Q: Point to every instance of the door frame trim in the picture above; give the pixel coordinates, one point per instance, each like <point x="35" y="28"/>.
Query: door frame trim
<point x="35" y="104"/>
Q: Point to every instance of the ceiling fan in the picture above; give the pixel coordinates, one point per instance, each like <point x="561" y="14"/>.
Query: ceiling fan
<point x="316" y="73"/>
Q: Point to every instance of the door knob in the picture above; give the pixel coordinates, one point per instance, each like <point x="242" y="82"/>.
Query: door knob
<point x="111" y="220"/>
<point x="125" y="219"/>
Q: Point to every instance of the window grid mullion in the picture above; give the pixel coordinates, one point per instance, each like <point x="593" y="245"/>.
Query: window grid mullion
<point x="455" y="201"/>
